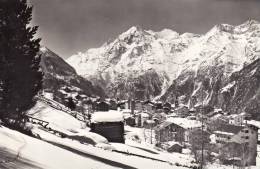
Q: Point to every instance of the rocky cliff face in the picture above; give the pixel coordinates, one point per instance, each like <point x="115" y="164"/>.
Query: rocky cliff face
<point x="196" y="69"/>
<point x="61" y="79"/>
<point x="226" y="72"/>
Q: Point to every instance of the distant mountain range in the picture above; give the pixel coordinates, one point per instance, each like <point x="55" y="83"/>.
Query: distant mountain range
<point x="219" y="69"/>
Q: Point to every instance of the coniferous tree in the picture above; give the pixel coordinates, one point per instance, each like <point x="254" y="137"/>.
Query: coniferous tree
<point x="20" y="75"/>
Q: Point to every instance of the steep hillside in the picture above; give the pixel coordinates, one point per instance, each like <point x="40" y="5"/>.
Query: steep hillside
<point x="62" y="80"/>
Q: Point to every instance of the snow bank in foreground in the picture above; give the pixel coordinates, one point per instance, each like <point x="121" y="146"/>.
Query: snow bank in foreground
<point x="41" y="154"/>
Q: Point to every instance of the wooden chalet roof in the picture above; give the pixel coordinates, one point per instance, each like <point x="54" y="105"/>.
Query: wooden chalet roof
<point x="162" y="125"/>
<point x="228" y="128"/>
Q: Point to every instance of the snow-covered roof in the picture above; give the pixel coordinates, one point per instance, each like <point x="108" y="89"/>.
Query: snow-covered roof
<point x="223" y="133"/>
<point x="109" y="116"/>
<point x="228" y="129"/>
<point x="145" y="115"/>
<point x="217" y="110"/>
<point x="253" y="122"/>
<point x="184" y="122"/>
<point x="150" y="121"/>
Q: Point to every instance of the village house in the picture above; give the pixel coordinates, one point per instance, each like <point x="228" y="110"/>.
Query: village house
<point x="140" y="118"/>
<point x="237" y="119"/>
<point x="148" y="106"/>
<point x="159" y="117"/>
<point x="182" y="111"/>
<point x="112" y="104"/>
<point x="138" y="105"/>
<point x="122" y="104"/>
<point x="244" y="135"/>
<point x="167" y="107"/>
<point x="175" y="129"/>
<point x="192" y="111"/>
<point x="88" y="107"/>
<point x="102" y="106"/>
<point x="158" y="106"/>
<point x="215" y="113"/>
<point x="108" y="124"/>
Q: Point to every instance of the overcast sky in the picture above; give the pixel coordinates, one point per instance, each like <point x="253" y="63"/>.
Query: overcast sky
<point x="70" y="26"/>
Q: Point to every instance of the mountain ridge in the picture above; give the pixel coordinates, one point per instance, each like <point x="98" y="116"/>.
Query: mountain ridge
<point x="190" y="62"/>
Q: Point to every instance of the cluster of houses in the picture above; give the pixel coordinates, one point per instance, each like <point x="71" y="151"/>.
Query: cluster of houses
<point x="234" y="139"/>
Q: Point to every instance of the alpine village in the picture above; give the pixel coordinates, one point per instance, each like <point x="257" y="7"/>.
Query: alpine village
<point x="145" y="99"/>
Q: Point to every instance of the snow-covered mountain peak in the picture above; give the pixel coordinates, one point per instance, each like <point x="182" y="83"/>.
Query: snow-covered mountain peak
<point x="247" y="27"/>
<point x="168" y="34"/>
<point x="132" y="34"/>
<point x="139" y="53"/>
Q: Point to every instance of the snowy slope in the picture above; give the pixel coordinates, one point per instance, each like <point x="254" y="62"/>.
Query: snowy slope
<point x="35" y="154"/>
<point x="56" y="118"/>
<point x="20" y="151"/>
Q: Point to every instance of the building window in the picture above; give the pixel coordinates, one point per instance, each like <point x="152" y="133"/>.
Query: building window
<point x="246" y="131"/>
<point x="245" y="137"/>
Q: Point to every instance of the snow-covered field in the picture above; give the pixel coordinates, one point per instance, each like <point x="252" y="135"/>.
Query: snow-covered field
<point x="34" y="153"/>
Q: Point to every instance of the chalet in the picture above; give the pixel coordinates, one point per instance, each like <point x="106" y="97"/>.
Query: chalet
<point x="175" y="147"/>
<point x="256" y="124"/>
<point x="102" y="106"/>
<point x="133" y="105"/>
<point x="149" y="124"/>
<point x="164" y="132"/>
<point x="167" y="107"/>
<point x="245" y="135"/>
<point x="237" y="119"/>
<point x="182" y="111"/>
<point x="184" y="127"/>
<point x="216" y="122"/>
<point x="122" y="104"/>
<point x="141" y="118"/>
<point x="138" y="105"/>
<point x="175" y="129"/>
<point x="108" y="124"/>
<point x="171" y="146"/>
<point x="158" y="106"/>
<point x="192" y="111"/>
<point x="148" y="106"/>
<point x="130" y="121"/>
<point x="216" y="112"/>
<point x="160" y="117"/>
<point x="112" y="104"/>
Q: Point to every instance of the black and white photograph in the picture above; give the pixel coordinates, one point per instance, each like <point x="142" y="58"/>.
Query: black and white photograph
<point x="130" y="84"/>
